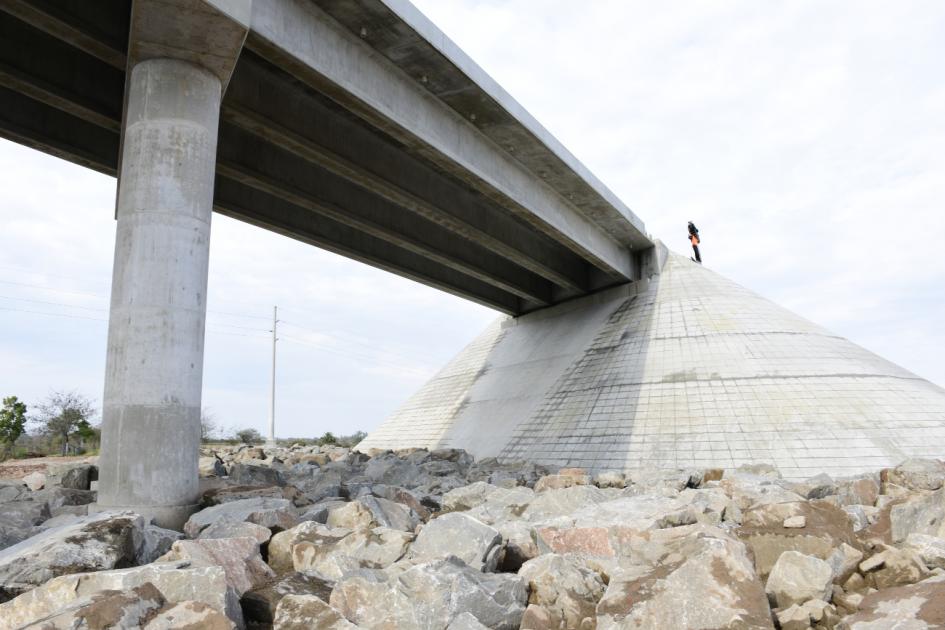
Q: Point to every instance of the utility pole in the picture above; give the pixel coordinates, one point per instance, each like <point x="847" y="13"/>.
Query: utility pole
<point x="272" y="387"/>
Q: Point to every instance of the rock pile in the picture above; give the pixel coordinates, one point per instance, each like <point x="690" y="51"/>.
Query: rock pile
<point x="327" y="538"/>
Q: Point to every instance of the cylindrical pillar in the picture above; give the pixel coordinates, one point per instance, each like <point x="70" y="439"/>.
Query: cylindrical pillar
<point x="154" y="367"/>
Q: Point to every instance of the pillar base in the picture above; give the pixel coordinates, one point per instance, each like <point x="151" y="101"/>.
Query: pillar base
<point x="166" y="516"/>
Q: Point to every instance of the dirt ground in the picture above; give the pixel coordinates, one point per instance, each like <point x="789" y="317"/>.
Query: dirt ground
<point x="19" y="468"/>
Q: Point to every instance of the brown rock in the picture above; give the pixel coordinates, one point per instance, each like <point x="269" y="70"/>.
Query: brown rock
<point x="308" y="612"/>
<point x="190" y="615"/>
<point x="915" y="606"/>
<point x="826" y="528"/>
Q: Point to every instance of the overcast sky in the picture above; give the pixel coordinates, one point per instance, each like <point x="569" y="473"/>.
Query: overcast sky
<point x="805" y="139"/>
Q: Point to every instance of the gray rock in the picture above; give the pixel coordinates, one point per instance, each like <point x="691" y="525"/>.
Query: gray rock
<point x="12" y="490"/>
<point x="235" y="529"/>
<point x="893" y="567"/>
<point x="253" y="475"/>
<point x="177" y="582"/>
<point x="156" y="541"/>
<point x="376" y="548"/>
<point x="393" y="471"/>
<point x="931" y="549"/>
<point x="95" y="543"/>
<point x="700" y="579"/>
<point x="796" y="578"/>
<point x="281" y="545"/>
<point x="276" y="514"/>
<point x="457" y="534"/>
<point x="924" y="514"/>
<point x="110" y="609"/>
<point x="73" y="476"/>
<point x="368" y="512"/>
<point x="430" y="596"/>
<point x="238" y="557"/>
<point x="58" y="497"/>
<point x="466" y="621"/>
<point x="843" y="562"/>
<point x="191" y="615"/>
<point x="18" y="518"/>
<point x="467" y="497"/>
<point x="918" y="474"/>
<point x="319" y="512"/>
<point x="260" y="604"/>
<point x="211" y="467"/>
<point x="563" y="592"/>
<point x="307" y="612"/>
<point x="916" y="606"/>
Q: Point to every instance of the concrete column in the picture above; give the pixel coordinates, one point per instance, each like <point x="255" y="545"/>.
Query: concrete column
<point x="154" y="368"/>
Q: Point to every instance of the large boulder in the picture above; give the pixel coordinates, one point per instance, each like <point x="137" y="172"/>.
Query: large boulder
<point x="239" y="558"/>
<point x="276" y="514"/>
<point x="826" y="527"/>
<point x="467" y="497"/>
<point x="77" y="476"/>
<point x="376" y="548"/>
<point x="177" y="582"/>
<point x="456" y="534"/>
<point x="253" y="475"/>
<point x="916" y="474"/>
<point x="282" y="544"/>
<point x="190" y="615"/>
<point x="502" y="505"/>
<point x="923" y="514"/>
<point x="156" y="541"/>
<point x="94" y="543"/>
<point x="109" y="609"/>
<point x="893" y="567"/>
<point x="563" y="592"/>
<point x="748" y="490"/>
<point x="19" y="517"/>
<point x="369" y="512"/>
<point x="305" y="612"/>
<point x="36" y="480"/>
<point x="237" y="529"/>
<point x="430" y="596"/>
<point x="916" y="606"/>
<point x="797" y="578"/>
<point x="709" y="582"/>
<point x="260" y="604"/>
<point x="12" y="490"/>
<point x="555" y="503"/>
<point x="931" y="549"/>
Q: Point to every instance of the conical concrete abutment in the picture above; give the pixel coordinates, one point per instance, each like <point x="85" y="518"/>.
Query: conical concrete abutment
<point x="682" y="369"/>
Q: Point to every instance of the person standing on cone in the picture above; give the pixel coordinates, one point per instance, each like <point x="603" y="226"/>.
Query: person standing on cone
<point x="694" y="239"/>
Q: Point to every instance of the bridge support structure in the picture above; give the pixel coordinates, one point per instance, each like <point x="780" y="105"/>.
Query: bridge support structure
<point x="154" y="365"/>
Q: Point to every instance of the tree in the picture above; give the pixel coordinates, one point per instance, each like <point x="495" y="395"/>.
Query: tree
<point x="12" y="423"/>
<point x="328" y="438"/>
<point x="208" y="426"/>
<point x="64" y="413"/>
<point x="249" y="436"/>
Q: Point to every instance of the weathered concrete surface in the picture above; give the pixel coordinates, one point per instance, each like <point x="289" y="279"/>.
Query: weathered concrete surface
<point x="689" y="370"/>
<point x="151" y="411"/>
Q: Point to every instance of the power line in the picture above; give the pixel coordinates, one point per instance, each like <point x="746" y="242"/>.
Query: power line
<point x="350" y="354"/>
<point x="348" y="340"/>
<point x="20" y="310"/>
<point x="38" y="286"/>
<point x="85" y="308"/>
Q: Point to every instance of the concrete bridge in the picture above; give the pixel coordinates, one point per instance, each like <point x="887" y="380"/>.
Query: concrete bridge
<point x="357" y="127"/>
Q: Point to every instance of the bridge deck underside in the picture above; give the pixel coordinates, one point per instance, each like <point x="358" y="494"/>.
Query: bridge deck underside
<point x="290" y="160"/>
